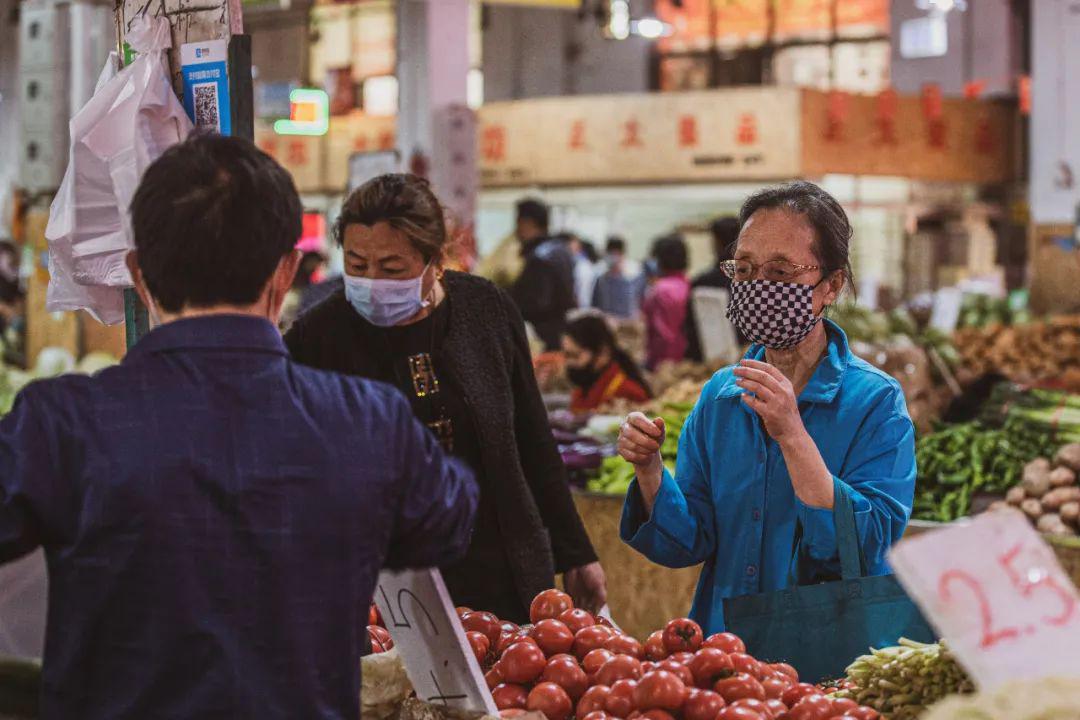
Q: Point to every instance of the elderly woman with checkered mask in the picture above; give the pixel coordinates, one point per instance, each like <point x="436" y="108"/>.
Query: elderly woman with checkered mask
<point x="772" y="440"/>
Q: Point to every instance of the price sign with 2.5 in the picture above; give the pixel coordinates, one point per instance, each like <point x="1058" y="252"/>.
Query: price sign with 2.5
<point x="996" y="592"/>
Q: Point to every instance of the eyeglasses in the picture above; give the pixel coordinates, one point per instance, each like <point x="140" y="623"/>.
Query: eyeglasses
<point x="774" y="270"/>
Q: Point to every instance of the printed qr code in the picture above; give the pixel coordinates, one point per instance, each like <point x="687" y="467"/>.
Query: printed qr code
<point x="206" y="106"/>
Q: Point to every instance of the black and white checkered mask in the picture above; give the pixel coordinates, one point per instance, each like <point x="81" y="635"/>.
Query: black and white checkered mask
<point x="774" y="314"/>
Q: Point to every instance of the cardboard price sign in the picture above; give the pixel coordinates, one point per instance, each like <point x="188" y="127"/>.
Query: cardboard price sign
<point x="421" y="619"/>
<point x="996" y="593"/>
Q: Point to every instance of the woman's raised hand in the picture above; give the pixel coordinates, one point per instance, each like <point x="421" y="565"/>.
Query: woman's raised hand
<point x="640" y="440"/>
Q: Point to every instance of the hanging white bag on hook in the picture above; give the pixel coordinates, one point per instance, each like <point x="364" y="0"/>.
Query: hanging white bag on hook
<point x="133" y="117"/>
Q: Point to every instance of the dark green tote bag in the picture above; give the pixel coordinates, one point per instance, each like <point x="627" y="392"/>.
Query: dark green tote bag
<point x="821" y="629"/>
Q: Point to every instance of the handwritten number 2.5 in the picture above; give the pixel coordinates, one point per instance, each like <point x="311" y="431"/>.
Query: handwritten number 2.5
<point x="1026" y="587"/>
<point x="990" y="637"/>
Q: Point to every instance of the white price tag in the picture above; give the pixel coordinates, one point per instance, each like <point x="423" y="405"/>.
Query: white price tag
<point x="996" y="593"/>
<point x="945" y="315"/>
<point x="421" y="619"/>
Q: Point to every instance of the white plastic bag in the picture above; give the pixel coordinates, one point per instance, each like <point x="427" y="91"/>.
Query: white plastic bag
<point x="131" y="119"/>
<point x="105" y="304"/>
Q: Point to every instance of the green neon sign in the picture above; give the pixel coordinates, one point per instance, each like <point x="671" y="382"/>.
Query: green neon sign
<point x="309" y="113"/>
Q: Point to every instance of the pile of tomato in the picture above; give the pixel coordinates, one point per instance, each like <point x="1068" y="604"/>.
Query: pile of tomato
<point x="570" y="663"/>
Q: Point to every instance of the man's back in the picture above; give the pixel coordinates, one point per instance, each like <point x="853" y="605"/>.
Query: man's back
<point x="214" y="519"/>
<point x="544" y="292"/>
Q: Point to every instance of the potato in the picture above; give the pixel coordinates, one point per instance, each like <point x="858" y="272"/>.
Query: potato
<point x="1070" y="512"/>
<point x="1036" y="480"/>
<point x="1048" y="522"/>
<point x="1053" y="500"/>
<point x="999" y="505"/>
<point x="1032" y="508"/>
<point x="1069" y="456"/>
<point x="1062" y="477"/>
<point x="1015" y="496"/>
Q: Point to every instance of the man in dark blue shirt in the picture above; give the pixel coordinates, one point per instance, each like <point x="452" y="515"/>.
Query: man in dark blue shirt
<point x="214" y="517"/>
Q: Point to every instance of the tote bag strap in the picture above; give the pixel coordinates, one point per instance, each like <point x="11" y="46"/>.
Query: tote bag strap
<point x="852" y="565"/>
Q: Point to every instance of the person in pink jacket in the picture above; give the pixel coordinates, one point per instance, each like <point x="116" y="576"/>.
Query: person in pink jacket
<point x="666" y="304"/>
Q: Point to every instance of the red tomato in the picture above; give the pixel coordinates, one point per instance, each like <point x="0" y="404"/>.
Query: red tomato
<point x="596" y="715"/>
<point x="779" y="709"/>
<point x="494" y="677"/>
<point x="775" y="687"/>
<point x="812" y="707"/>
<point x="625" y="645"/>
<point x="552" y="636"/>
<point x="589" y="639"/>
<point x="595" y="660"/>
<point x="505" y="641"/>
<point x="564" y="671"/>
<point x="483" y="622"/>
<point x="577" y="619"/>
<point x="601" y="620"/>
<point x="710" y="665"/>
<point x="593" y="700"/>
<point x="380" y="639"/>
<point x="550" y="699"/>
<point x="657" y="715"/>
<point x="793" y="695"/>
<point x="654" y="647"/>
<point x="647" y="666"/>
<point x="510" y="696"/>
<point x="728" y="642"/>
<point x="479" y="644"/>
<point x="509" y="627"/>
<point x="620" y="701"/>
<point x="620" y="667"/>
<point x="374" y="617"/>
<point x="511" y="713"/>
<point x="843" y="706"/>
<point x="660" y="690"/>
<point x="843" y="717"/>
<point x="634" y="715"/>
<point x="702" y="705"/>
<point x="522" y="663"/>
<point x="738" y="687"/>
<point x="461" y="610"/>
<point x="757" y="706"/>
<point x="683" y="658"/>
<point x="746" y="664"/>
<point x="678" y="670"/>
<point x="786" y="670"/>
<point x="549" y="605"/>
<point x="682" y="635"/>
<point x="865" y="713"/>
<point x="739" y="713"/>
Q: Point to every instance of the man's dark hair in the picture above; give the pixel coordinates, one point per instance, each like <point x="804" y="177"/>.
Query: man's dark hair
<point x="670" y="254"/>
<point x="616" y="244"/>
<point x="831" y="225"/>
<point x="212" y="218"/>
<point x="725" y="233"/>
<point x="534" y="210"/>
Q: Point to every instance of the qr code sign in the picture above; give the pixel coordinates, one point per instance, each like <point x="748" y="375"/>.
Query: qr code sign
<point x="206" y="106"/>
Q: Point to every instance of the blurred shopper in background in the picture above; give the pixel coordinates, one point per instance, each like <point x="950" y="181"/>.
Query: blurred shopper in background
<point x="666" y="304"/>
<point x="455" y="346"/>
<point x="621" y="286"/>
<point x="215" y="516"/>
<point x="584" y="256"/>
<point x="544" y="292"/>
<point x="599" y="369"/>
<point x="725" y="233"/>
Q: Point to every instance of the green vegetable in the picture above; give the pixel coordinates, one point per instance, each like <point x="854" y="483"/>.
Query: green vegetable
<point x="902" y="681"/>
<point x="616" y="474"/>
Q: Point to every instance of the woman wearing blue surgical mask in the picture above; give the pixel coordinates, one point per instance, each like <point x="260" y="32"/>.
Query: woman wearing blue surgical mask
<point x="455" y="345"/>
<point x="773" y="439"/>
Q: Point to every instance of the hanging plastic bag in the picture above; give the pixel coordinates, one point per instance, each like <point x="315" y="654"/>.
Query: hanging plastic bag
<point x="128" y="123"/>
<point x="105" y="304"/>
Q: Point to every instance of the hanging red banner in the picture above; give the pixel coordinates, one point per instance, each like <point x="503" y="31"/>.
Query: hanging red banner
<point x="836" y="115"/>
<point x="888" y="104"/>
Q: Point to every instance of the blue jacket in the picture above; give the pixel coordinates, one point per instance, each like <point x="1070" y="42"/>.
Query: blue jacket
<point x="214" y="519"/>
<point x="731" y="505"/>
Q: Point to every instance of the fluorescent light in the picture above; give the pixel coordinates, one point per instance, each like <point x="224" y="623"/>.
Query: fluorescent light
<point x="619" y="24"/>
<point x="651" y="28"/>
<point x="309" y="113"/>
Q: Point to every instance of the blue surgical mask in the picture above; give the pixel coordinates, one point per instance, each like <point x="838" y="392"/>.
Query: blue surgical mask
<point x="386" y="302"/>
